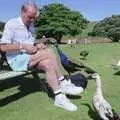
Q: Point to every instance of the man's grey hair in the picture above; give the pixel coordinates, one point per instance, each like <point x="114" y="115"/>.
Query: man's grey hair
<point x="25" y="6"/>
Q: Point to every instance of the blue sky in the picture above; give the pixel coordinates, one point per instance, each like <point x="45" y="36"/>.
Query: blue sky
<point x="92" y="10"/>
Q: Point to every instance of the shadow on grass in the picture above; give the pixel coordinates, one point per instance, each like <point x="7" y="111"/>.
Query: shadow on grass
<point x="74" y="96"/>
<point x="25" y="86"/>
<point x="93" y="115"/>
<point x="117" y="73"/>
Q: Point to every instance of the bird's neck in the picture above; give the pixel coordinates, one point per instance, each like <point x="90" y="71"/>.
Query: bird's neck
<point x="58" y="49"/>
<point x="98" y="86"/>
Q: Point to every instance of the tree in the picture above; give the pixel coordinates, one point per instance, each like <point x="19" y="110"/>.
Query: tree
<point x="56" y="20"/>
<point x="108" y="27"/>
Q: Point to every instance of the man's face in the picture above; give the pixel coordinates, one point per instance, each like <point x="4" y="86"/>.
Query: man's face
<point x="29" y="15"/>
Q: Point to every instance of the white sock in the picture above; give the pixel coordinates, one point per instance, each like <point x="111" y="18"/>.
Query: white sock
<point x="61" y="78"/>
<point x="56" y="92"/>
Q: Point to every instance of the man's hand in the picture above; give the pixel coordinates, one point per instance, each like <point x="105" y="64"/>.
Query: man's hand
<point x="29" y="48"/>
<point x="41" y="46"/>
<point x="42" y="40"/>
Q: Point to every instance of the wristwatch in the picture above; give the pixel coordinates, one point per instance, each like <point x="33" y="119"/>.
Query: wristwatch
<point x="21" y="49"/>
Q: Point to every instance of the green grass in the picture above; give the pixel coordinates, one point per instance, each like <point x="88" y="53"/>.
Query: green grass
<point x="21" y="98"/>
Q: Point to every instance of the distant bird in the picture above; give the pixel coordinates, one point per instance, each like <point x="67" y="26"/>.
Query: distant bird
<point x="101" y="106"/>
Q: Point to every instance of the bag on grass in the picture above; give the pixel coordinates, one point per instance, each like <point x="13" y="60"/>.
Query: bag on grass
<point x="79" y="80"/>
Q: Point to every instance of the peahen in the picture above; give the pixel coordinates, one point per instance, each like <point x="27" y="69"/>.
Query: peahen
<point x="67" y="64"/>
<point x="71" y="65"/>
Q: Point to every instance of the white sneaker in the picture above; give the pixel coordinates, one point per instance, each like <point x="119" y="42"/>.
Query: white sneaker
<point x="69" y="88"/>
<point x="62" y="101"/>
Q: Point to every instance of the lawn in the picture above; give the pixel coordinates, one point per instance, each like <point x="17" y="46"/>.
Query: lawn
<point x="21" y="98"/>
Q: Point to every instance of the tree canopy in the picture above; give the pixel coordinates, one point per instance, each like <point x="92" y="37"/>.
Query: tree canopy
<point x="56" y="20"/>
<point x="109" y="27"/>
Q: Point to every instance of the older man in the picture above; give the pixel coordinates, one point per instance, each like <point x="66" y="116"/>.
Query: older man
<point x="18" y="38"/>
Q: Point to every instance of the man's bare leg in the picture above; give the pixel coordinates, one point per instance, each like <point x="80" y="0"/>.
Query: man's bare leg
<point x="51" y="77"/>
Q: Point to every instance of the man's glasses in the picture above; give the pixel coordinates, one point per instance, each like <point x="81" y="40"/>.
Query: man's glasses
<point x="31" y="17"/>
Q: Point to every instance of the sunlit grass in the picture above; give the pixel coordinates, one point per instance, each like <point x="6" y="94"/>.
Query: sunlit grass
<point x="21" y="98"/>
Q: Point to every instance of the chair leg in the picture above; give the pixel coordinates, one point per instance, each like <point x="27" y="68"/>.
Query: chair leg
<point x="3" y="59"/>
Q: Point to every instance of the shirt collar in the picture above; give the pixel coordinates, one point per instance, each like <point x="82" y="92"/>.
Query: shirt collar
<point x="21" y="21"/>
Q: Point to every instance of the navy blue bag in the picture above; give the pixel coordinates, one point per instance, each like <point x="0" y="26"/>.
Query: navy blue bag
<point x="79" y="80"/>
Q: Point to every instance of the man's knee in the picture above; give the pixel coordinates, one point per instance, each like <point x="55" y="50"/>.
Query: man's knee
<point x="50" y="51"/>
<point x="47" y="64"/>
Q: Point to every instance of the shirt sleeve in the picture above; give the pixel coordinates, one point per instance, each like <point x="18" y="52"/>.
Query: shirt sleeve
<point x="7" y="34"/>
